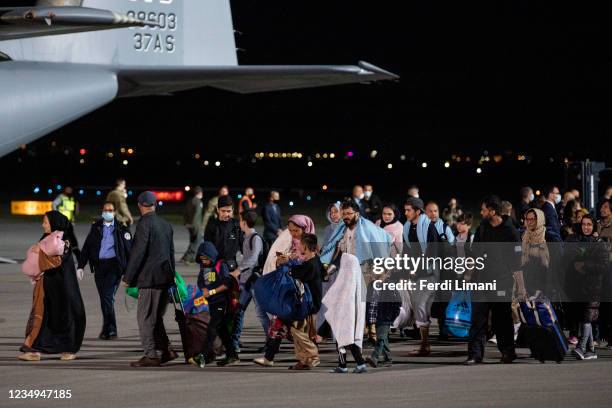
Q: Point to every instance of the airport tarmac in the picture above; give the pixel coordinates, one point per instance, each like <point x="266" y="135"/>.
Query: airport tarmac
<point x="102" y="377"/>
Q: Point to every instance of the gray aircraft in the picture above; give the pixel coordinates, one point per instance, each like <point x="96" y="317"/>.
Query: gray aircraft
<point x="62" y="59"/>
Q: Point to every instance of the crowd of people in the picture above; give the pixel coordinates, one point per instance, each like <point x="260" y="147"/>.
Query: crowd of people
<point x="336" y="268"/>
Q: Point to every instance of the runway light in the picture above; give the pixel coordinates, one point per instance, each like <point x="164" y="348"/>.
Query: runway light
<point x="187" y="188"/>
<point x="82" y="161"/>
<point x="290" y="203"/>
<point x="197" y="156"/>
<point x="332" y="156"/>
<point x="81" y="192"/>
<point x="478" y="170"/>
<point x="110" y="155"/>
<point x="83" y="152"/>
<point x="160" y="203"/>
<point x="58" y="187"/>
<point x="318" y="156"/>
<point x="239" y="196"/>
<point x="324" y="187"/>
<point x="537" y="192"/>
<point x="308" y="198"/>
<point x="130" y="151"/>
<point x="373" y="154"/>
<point x="403" y="157"/>
<point x="130" y="193"/>
<point x="350" y="154"/>
<point x="206" y="162"/>
<point x="122" y="150"/>
<point x="309" y="164"/>
<point x="125" y="162"/>
<point x="446" y="164"/>
<point x="217" y="163"/>
<point x="325" y="155"/>
<point x="36" y="190"/>
<point x="50" y="191"/>
<point x="424" y="165"/>
<point x="98" y="193"/>
<point x="390" y="166"/>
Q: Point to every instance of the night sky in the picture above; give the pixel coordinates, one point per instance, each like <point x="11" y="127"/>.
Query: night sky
<point x="503" y="77"/>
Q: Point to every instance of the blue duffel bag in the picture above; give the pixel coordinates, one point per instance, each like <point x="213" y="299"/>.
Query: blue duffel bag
<point x="459" y="314"/>
<point x="279" y="294"/>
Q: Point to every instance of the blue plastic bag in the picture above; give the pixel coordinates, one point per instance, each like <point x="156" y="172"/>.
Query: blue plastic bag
<point x="195" y="302"/>
<point x="277" y="293"/>
<point x="459" y="314"/>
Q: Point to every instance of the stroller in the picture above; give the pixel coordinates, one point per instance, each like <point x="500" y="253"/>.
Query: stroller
<point x="192" y="315"/>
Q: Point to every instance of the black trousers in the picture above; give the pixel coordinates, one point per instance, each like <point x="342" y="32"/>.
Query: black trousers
<point x="108" y="276"/>
<point x="502" y="326"/>
<point x="220" y="320"/>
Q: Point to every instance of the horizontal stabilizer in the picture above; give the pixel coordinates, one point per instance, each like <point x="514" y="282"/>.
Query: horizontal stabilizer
<point x="246" y="78"/>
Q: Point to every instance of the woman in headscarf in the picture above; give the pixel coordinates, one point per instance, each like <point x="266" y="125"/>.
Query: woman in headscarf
<point x="57" y="319"/>
<point x="390" y="223"/>
<point x="334" y="217"/>
<point x="285" y="248"/>
<point x="535" y="254"/>
<point x="589" y="259"/>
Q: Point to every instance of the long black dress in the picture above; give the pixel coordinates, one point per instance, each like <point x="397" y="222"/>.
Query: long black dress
<point x="57" y="321"/>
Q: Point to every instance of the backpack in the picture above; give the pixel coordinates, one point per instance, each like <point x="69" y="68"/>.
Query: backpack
<point x="263" y="255"/>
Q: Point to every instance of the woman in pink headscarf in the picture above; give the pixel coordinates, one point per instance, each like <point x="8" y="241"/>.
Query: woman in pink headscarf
<point x="287" y="245"/>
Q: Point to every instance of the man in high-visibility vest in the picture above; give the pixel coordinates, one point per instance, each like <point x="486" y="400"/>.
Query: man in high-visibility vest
<point x="66" y="204"/>
<point x="246" y="202"/>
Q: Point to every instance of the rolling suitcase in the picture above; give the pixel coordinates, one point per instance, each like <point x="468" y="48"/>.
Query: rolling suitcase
<point x="193" y="328"/>
<point x="542" y="331"/>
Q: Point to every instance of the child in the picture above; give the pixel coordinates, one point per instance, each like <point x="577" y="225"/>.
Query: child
<point x="387" y="309"/>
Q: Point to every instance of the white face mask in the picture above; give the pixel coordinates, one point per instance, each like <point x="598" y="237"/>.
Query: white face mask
<point x="531" y="197"/>
<point x="361" y="196"/>
<point x="557" y="198"/>
<point x="368" y="194"/>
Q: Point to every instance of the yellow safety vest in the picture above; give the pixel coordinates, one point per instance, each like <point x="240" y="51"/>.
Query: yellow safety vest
<point x="67" y="207"/>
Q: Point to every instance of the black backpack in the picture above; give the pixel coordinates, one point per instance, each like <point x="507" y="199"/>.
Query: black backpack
<point x="263" y="255"/>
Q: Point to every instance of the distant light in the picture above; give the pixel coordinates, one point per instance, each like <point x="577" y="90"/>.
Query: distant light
<point x="160" y="203"/>
<point x="50" y="191"/>
<point x="373" y="154"/>
<point x="350" y="154"/>
<point x="36" y="190"/>
<point x="390" y="166"/>
<point x="309" y="164"/>
<point x="197" y="156"/>
<point x="318" y="156"/>
<point x="478" y="170"/>
<point x="447" y="164"/>
<point x="308" y="198"/>
<point x="130" y="192"/>
<point x="110" y="155"/>
<point x="206" y="163"/>
<point x="537" y="192"/>
<point x="324" y="187"/>
<point x="125" y="162"/>
<point x="81" y="192"/>
<point x="130" y="151"/>
<point x="424" y="165"/>
<point x="325" y="155"/>
<point x="290" y="203"/>
<point x="217" y="163"/>
<point x="187" y="188"/>
<point x="98" y="193"/>
<point x="403" y="157"/>
<point x="332" y="156"/>
<point x="82" y="161"/>
<point x="83" y="152"/>
<point x="58" y="187"/>
<point x="122" y="150"/>
<point x="239" y="196"/>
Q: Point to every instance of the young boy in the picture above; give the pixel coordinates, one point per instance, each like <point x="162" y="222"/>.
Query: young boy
<point x="215" y="281"/>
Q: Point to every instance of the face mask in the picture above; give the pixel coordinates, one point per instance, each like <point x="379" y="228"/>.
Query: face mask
<point x="108" y="216"/>
<point x="368" y="194"/>
<point x="361" y="196"/>
<point x="531" y="197"/>
<point x="557" y="198"/>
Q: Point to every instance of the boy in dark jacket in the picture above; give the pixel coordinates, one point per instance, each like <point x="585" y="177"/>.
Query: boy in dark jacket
<point x="387" y="308"/>
<point x="215" y="281"/>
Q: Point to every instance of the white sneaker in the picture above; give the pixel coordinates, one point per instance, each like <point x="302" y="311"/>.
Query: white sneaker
<point x="262" y="361"/>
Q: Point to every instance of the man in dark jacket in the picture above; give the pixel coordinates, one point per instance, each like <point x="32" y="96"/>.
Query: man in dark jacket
<point x="373" y="204"/>
<point x="106" y="248"/>
<point x="273" y="222"/>
<point x="498" y="242"/>
<point x="225" y="233"/>
<point x="151" y="268"/>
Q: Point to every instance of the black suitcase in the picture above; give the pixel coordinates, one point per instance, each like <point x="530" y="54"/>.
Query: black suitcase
<point x="546" y="343"/>
<point x="193" y="328"/>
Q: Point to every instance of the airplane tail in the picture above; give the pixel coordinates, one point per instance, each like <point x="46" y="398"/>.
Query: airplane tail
<point x="188" y="33"/>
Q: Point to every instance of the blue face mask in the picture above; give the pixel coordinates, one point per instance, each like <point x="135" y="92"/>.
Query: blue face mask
<point x="531" y="197"/>
<point x="557" y="198"/>
<point x="108" y="216"/>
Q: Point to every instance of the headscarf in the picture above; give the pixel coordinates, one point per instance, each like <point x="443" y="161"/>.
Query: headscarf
<point x="305" y="223"/>
<point x="328" y="213"/>
<point x="534" y="242"/>
<point x="285" y="243"/>
<point x="59" y="222"/>
<point x="396" y="216"/>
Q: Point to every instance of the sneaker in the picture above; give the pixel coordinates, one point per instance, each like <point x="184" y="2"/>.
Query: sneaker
<point x="493" y="340"/>
<point x="372" y="362"/>
<point x="573" y="340"/>
<point x="590" y="355"/>
<point x="227" y="361"/>
<point x="360" y="369"/>
<point x="578" y="353"/>
<point x="262" y="361"/>
<point x="339" y="370"/>
<point x="68" y="356"/>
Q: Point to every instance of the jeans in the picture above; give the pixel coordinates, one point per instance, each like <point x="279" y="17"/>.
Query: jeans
<point x="381" y="348"/>
<point x="107" y="277"/>
<point x="246" y="295"/>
